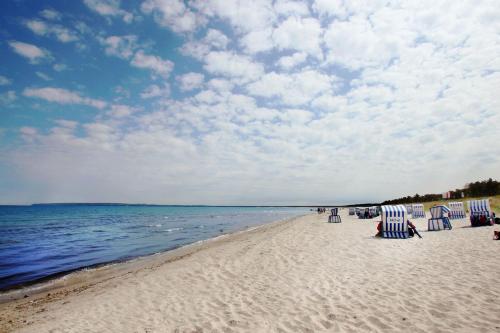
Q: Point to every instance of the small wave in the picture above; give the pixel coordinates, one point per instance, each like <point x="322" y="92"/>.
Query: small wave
<point x="155" y="225"/>
<point x="173" y="229"/>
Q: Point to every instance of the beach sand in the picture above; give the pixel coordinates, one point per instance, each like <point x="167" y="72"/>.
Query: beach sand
<point x="301" y="275"/>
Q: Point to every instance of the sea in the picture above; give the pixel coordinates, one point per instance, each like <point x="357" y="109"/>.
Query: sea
<point x="39" y="242"/>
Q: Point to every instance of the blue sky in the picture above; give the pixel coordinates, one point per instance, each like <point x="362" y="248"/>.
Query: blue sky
<point x="239" y="102"/>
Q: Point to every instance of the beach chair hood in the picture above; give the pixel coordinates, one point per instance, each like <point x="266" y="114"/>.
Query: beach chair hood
<point x="418" y="211"/>
<point x="457" y="210"/>
<point x="480" y="207"/>
<point x="394" y="221"/>
<point x="439" y="218"/>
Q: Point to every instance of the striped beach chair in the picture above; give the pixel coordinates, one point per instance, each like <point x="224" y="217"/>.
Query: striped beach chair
<point x="479" y="209"/>
<point x="334" y="217"/>
<point x="357" y="210"/>
<point x="352" y="211"/>
<point x="364" y="213"/>
<point x="373" y="211"/>
<point x="439" y="220"/>
<point x="409" y="209"/>
<point x="394" y="221"/>
<point x="457" y="210"/>
<point x="417" y="211"/>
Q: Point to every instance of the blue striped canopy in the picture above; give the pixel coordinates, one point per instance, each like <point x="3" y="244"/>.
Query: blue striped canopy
<point x="479" y="206"/>
<point x="457" y="210"/>
<point x="394" y="221"/>
<point x="438" y="211"/>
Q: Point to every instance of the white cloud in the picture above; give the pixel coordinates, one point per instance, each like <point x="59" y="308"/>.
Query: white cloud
<point x="292" y="89"/>
<point x="8" y="97"/>
<point x="302" y="34"/>
<point x="66" y="123"/>
<point x="190" y="81"/>
<point x="257" y="41"/>
<point x="46" y="29"/>
<point x="370" y="43"/>
<point x="173" y="14"/>
<point x="4" y="81"/>
<point x="289" y="62"/>
<point x="120" y="46"/>
<point x="33" y="53"/>
<point x="62" y="96"/>
<point x="59" y="67"/>
<point x="28" y="130"/>
<point x="154" y="90"/>
<point x="213" y="40"/>
<point x="330" y="8"/>
<point x="121" y="110"/>
<point x="109" y="8"/>
<point x="51" y="14"/>
<point x="43" y="76"/>
<point x="342" y="9"/>
<point x="244" y="15"/>
<point x="294" y="33"/>
<point x="220" y="85"/>
<point x="154" y="63"/>
<point x="233" y="65"/>
<point x="288" y="8"/>
<point x="83" y="28"/>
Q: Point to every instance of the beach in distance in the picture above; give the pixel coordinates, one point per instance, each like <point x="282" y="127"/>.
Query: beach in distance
<point x="296" y="275"/>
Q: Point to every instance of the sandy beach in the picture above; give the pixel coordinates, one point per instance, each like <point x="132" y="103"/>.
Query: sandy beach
<point x="299" y="275"/>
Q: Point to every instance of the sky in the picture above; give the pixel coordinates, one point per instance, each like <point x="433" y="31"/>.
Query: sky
<point x="240" y="102"/>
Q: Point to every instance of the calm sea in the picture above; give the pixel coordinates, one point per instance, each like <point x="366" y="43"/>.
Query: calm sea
<point x="38" y="242"/>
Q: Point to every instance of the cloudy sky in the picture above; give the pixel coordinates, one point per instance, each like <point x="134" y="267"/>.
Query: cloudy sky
<point x="246" y="102"/>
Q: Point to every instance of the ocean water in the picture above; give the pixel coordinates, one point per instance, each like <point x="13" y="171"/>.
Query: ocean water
<point x="42" y="241"/>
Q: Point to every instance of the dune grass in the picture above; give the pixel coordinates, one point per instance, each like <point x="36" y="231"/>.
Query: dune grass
<point x="494" y="203"/>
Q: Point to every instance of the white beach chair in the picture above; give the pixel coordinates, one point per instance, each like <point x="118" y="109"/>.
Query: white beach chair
<point x="439" y="220"/>
<point x="352" y="211"/>
<point x="409" y="209"/>
<point x="334" y="217"/>
<point x="394" y="221"/>
<point x="417" y="211"/>
<point x="478" y="209"/>
<point x="373" y="211"/>
<point x="364" y="213"/>
<point x="457" y="210"/>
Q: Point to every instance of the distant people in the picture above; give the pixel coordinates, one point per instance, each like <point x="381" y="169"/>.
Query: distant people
<point x="482" y="219"/>
<point x="474" y="220"/>
<point x="411" y="229"/>
<point x="379" y="229"/>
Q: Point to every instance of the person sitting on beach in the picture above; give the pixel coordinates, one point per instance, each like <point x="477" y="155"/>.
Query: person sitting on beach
<point x="474" y="220"/>
<point x="379" y="230"/>
<point x="411" y="229"/>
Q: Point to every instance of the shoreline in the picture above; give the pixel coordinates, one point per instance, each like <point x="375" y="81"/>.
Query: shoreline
<point x="109" y="270"/>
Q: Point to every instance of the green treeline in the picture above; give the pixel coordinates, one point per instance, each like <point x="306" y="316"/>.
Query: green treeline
<point x="478" y="189"/>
